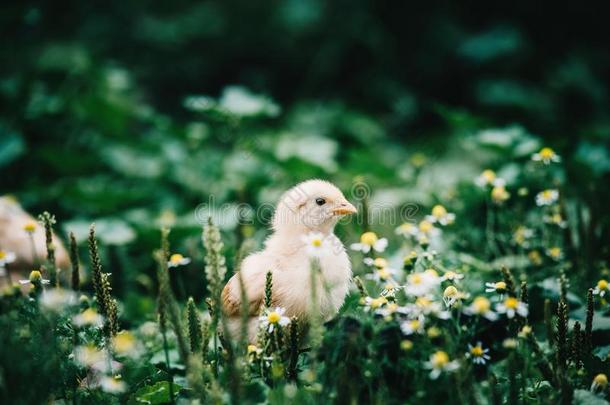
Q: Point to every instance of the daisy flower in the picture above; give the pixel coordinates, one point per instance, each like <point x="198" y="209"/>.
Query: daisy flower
<point x="487" y="178"/>
<point x="452" y="276"/>
<point x="316" y="244"/>
<point x="390" y="309"/>
<point x="273" y="319"/>
<point x="112" y="385"/>
<point x="535" y="257"/>
<point x="374" y="303"/>
<point x="57" y="299"/>
<point x="546" y="156"/>
<point x="426" y="306"/>
<point x="422" y="283"/>
<point x="29" y="227"/>
<point x="382" y="275"/>
<point x="477" y="353"/>
<point x="177" y="259"/>
<point x="555" y="219"/>
<point x="35" y="276"/>
<point x="91" y="356"/>
<point x="522" y="235"/>
<point x="440" y="215"/>
<point x="555" y="253"/>
<point x="452" y="295"/>
<point x="368" y="241"/>
<point x="497" y="287"/>
<point x="379" y="262"/>
<point x="547" y="197"/>
<point x="499" y="194"/>
<point x="406" y="229"/>
<point x="512" y="306"/>
<point x="88" y="317"/>
<point x="481" y="306"/>
<point x="411" y="326"/>
<point x="439" y="362"/>
<point x="6" y="257"/>
<point x="125" y="344"/>
<point x="600" y="382"/>
<point x="601" y="288"/>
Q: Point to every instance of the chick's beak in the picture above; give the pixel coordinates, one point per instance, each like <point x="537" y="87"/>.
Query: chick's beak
<point x="344" y="208"/>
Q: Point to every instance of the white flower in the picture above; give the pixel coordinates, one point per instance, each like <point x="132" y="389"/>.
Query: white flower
<point x="390" y="309"/>
<point x="6" y="257"/>
<point x="477" y="353"/>
<point x="555" y="253"/>
<point x="406" y="229"/>
<point x="555" y="219"/>
<point x="546" y="156"/>
<point x="368" y="241"/>
<point x="599" y="384"/>
<point x="440" y="215"/>
<point x="177" y="259"/>
<point x="488" y="178"/>
<point x="422" y="283"/>
<point x="274" y="318"/>
<point x="601" y="288"/>
<point x="439" y="362"/>
<point x="383" y="275"/>
<point x="378" y="262"/>
<point x="512" y="306"/>
<point x="316" y="244"/>
<point x="90" y="356"/>
<point x="547" y="197"/>
<point x="426" y="306"/>
<point x="57" y="299"/>
<point x="88" y="317"/>
<point x="452" y="276"/>
<point x="497" y="287"/>
<point x="481" y="306"/>
<point x="411" y="326"/>
<point x="112" y="385"/>
<point x="522" y="235"/>
<point x="374" y="303"/>
<point x="452" y="295"/>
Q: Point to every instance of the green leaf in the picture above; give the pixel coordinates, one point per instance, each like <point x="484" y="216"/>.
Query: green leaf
<point x="154" y="394"/>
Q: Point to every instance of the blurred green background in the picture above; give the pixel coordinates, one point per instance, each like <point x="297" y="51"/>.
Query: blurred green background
<point x="133" y="113"/>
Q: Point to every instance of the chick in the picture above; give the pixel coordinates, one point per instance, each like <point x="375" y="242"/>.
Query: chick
<point x="311" y="206"/>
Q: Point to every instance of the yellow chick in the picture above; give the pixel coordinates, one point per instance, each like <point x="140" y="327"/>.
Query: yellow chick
<point x="303" y="225"/>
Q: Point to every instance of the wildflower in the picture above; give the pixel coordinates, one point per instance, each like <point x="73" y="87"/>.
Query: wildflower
<point x="254" y="351"/>
<point x="487" y="178"/>
<point x="498" y="287"/>
<point x="406" y="345"/>
<point x="177" y="259"/>
<point x="555" y="253"/>
<point x="370" y="240"/>
<point x="555" y="219"/>
<point x="481" y="306"/>
<point x="452" y="295"/>
<point x="600" y="382"/>
<point x="425" y="306"/>
<point x="421" y="283"/>
<point x="29" y="227"/>
<point x="439" y="362"/>
<point x="601" y="288"/>
<point x="499" y="194"/>
<point x="452" y="276"/>
<point x="547" y="197"/>
<point x="477" y="353"/>
<point x="390" y="309"/>
<point x="522" y="235"/>
<point x="316" y="244"/>
<point x="433" y="332"/>
<point x="535" y="257"/>
<point x="427" y="228"/>
<point x="35" y="277"/>
<point x="91" y="356"/>
<point x="274" y="318"/>
<point x="124" y="343"/>
<point x="440" y="215"/>
<point x="382" y="274"/>
<point x="88" y="317"/>
<point x="406" y="229"/>
<point x="510" y="343"/>
<point x="546" y="156"/>
<point x="378" y="262"/>
<point x="58" y="299"/>
<point x="374" y="303"/>
<point x="6" y="257"/>
<point x="525" y="331"/>
<point x="512" y="306"/>
<point x="412" y="326"/>
<point x="113" y="385"/>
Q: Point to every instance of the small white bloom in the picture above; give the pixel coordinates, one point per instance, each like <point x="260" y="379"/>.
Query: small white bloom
<point x="481" y="306"/>
<point x="373" y="304"/>
<point x="57" y="299"/>
<point x="88" y="317"/>
<point x="177" y="259"/>
<point x="602" y="288"/>
<point x="112" y="385"/>
<point x="546" y="156"/>
<point x="316" y="244"/>
<point x="411" y="326"/>
<point x="421" y="283"/>
<point x="547" y="197"/>
<point x="273" y="319"/>
<point x="439" y="362"/>
<point x="511" y="307"/>
<point x="368" y="241"/>
<point x="441" y="216"/>
<point x="477" y="353"/>
<point x="6" y="257"/>
<point x="452" y="276"/>
<point x="497" y="287"/>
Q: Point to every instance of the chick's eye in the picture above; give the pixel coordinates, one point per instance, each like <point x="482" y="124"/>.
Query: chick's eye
<point x="320" y="201"/>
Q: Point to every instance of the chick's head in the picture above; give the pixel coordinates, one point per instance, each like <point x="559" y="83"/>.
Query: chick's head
<point x="314" y="205"/>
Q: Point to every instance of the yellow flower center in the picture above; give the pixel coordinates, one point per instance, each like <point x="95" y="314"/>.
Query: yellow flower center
<point x="89" y="315"/>
<point x="414" y="324"/>
<point x="500" y="286"/>
<point x="384" y="274"/>
<point x="547" y="194"/>
<point x="450" y="291"/>
<point x="433" y="332"/>
<point x="425" y="226"/>
<point x="368" y="238"/>
<point x="489" y="175"/>
<point x="252" y="349"/>
<point x="477" y="351"/>
<point x="602" y="284"/>
<point x="547" y="153"/>
<point x="601" y="380"/>
<point x="555" y="252"/>
<point x="35" y="276"/>
<point x="439" y="211"/>
<point x="377" y="302"/>
<point x="29" y="226"/>
<point x="406" y="345"/>
<point x="422" y="302"/>
<point x="481" y="305"/>
<point x="439" y="359"/>
<point x="406" y="227"/>
<point x="273" y="317"/>
<point x="176" y="258"/>
<point x="124" y="342"/>
<point x="416" y="279"/>
<point x="499" y="193"/>
<point x="316" y="242"/>
<point x="511" y="303"/>
<point x="380" y="262"/>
